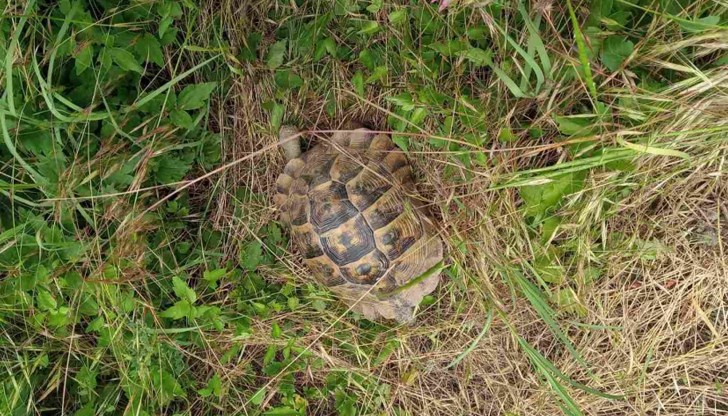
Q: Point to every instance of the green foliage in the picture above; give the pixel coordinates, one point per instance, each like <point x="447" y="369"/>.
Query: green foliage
<point x="118" y="294"/>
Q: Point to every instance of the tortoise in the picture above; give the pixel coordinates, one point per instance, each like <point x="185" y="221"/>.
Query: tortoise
<point x="356" y="218"/>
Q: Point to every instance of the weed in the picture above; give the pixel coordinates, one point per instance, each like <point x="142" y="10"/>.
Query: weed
<point x="573" y="153"/>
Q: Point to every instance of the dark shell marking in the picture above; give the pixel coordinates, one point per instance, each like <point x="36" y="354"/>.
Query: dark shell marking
<point x="325" y="271"/>
<point x="351" y="218"/>
<point x="307" y="241"/>
<point x="367" y="270"/>
<point x="365" y="189"/>
<point x="330" y="207"/>
<point x="398" y="236"/>
<point x="349" y="242"/>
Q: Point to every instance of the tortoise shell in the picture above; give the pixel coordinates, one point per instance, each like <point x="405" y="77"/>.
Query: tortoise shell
<point x="358" y="223"/>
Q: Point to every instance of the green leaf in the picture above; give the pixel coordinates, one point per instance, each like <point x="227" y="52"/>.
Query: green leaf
<point x="257" y="398"/>
<point x="181" y="118"/>
<point x="403" y="100"/>
<point x="195" y="96"/>
<point x="577" y="125"/>
<point x="276" y="116"/>
<point x="452" y="47"/>
<point x="252" y="255"/>
<point x="398" y="16"/>
<point x="358" y="81"/>
<point x="170" y="169"/>
<point x="375" y="6"/>
<point x="328" y="45"/>
<point x="86" y="378"/>
<point x="540" y="198"/>
<point x="615" y="51"/>
<point x="276" y="53"/>
<point x="84" y="59"/>
<point x="700" y="25"/>
<point x="319" y="305"/>
<point x="369" y="28"/>
<point x="281" y="411"/>
<point x="549" y="269"/>
<point x="213" y="276"/>
<point x="166" y="385"/>
<point x="179" y="310"/>
<point x="46" y="301"/>
<point x="479" y="57"/>
<point x="567" y="300"/>
<point x="183" y="291"/>
<point x="125" y="60"/>
<point x="214" y="387"/>
<point x="148" y="49"/>
<point x="378" y="74"/>
<point x="288" y="79"/>
<point x="276" y="331"/>
<point x="506" y="135"/>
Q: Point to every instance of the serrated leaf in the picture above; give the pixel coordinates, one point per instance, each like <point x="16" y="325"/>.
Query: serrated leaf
<point x="183" y="291"/>
<point x="213" y="276"/>
<point x="418" y="116"/>
<point x="276" y="53"/>
<point x="328" y="45"/>
<point x="615" y="51"/>
<point x="179" y="310"/>
<point x="125" y="60"/>
<point x="403" y="100"/>
<point x="378" y="74"/>
<point x="148" y="48"/>
<point x="86" y="377"/>
<point x="288" y="79"/>
<point x="319" y="305"/>
<point x="549" y="269"/>
<point x="252" y="255"/>
<point x="46" y="301"/>
<point x="84" y="59"/>
<point x="270" y="354"/>
<point x="541" y="198"/>
<point x="214" y="387"/>
<point x="401" y="141"/>
<point x="195" y="96"/>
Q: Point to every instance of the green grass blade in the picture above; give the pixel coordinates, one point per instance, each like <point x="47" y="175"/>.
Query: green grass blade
<point x="583" y="58"/>
<point x="547" y="314"/>
<point x="10" y="56"/>
<point x="169" y="84"/>
<point x="475" y="342"/>
<point x="657" y="151"/>
<point x="13" y="151"/>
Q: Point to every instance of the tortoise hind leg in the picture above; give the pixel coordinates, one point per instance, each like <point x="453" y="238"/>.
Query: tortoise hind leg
<point x="290" y="141"/>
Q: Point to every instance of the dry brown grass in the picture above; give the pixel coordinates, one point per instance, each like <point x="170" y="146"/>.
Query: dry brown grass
<point x="656" y="329"/>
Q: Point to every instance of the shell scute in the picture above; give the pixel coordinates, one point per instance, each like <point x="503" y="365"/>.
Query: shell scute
<point x="348" y="242"/>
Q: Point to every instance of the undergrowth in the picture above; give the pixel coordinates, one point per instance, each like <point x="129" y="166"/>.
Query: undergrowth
<point x="142" y="270"/>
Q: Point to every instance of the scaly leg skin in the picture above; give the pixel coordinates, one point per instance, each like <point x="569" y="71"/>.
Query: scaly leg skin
<point x="291" y="146"/>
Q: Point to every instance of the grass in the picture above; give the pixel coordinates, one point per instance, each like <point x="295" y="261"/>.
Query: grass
<point x="574" y="154"/>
